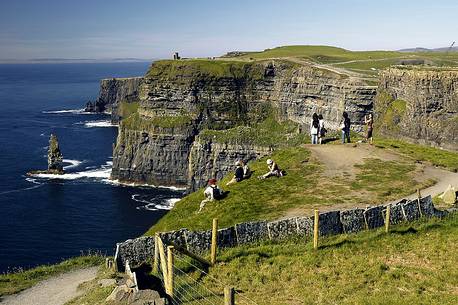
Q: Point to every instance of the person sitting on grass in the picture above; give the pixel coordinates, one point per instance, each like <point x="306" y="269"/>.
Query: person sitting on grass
<point x="246" y="170"/>
<point x="274" y="170"/>
<point x="211" y="193"/>
<point x="238" y="175"/>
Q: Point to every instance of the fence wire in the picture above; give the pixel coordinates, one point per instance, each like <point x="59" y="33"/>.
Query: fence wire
<point x="190" y="287"/>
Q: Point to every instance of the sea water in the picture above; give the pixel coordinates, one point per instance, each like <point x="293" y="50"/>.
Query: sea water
<point x="46" y="219"/>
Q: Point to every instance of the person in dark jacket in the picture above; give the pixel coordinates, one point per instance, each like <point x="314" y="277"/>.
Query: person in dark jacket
<point x="345" y="127"/>
<point x="239" y="174"/>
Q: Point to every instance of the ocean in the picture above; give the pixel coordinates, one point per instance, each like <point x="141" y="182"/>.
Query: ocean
<point x="44" y="219"/>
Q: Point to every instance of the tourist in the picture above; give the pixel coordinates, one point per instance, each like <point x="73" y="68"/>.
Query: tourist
<point x="211" y="193"/>
<point x="369" y="121"/>
<point x="246" y="170"/>
<point x="274" y="170"/>
<point x="314" y="128"/>
<point x="322" y="130"/>
<point x="345" y="127"/>
<point x="239" y="173"/>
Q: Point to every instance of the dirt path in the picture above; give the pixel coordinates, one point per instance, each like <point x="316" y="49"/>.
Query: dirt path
<point x="54" y="291"/>
<point x="341" y="159"/>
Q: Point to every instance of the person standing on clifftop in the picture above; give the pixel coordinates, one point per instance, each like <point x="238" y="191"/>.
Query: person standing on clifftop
<point x="315" y="128"/>
<point x="369" y="121"/>
<point x="345" y="127"/>
<point x="322" y="130"/>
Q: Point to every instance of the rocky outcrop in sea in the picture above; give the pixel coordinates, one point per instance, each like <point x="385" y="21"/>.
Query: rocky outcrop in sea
<point x="55" y="159"/>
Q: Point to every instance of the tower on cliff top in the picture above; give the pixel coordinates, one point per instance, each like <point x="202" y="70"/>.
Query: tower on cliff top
<point x="176" y="56"/>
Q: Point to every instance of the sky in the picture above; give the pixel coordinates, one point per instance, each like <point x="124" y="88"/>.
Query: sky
<point x="151" y="29"/>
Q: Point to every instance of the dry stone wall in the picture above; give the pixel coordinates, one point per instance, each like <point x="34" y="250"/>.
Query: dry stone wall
<point x="141" y="249"/>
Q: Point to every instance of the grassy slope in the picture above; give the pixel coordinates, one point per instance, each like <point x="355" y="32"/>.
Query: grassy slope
<point x="255" y="199"/>
<point x="11" y="283"/>
<point x="365" y="61"/>
<point x="437" y="157"/>
<point x="415" y="264"/>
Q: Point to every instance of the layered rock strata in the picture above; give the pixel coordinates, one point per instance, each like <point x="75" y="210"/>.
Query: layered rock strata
<point x="419" y="104"/>
<point x="161" y="143"/>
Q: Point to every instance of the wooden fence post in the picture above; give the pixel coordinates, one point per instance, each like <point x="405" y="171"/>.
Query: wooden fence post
<point x="170" y="262"/>
<point x="315" y="229"/>
<point x="387" y="218"/>
<point x="418" y="202"/>
<point x="156" y="254"/>
<point x="214" y="241"/>
<point x="229" y="296"/>
<point x="163" y="262"/>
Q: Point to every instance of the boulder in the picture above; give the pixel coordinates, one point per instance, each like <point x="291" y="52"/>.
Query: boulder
<point x="449" y="196"/>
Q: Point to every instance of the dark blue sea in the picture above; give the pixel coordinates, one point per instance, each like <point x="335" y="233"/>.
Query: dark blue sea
<point x="43" y="219"/>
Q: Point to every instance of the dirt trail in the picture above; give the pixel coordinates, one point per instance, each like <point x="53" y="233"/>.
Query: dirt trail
<point x="341" y="159"/>
<point x="54" y="291"/>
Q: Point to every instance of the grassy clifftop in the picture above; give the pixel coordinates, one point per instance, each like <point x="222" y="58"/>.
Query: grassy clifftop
<point x="305" y="187"/>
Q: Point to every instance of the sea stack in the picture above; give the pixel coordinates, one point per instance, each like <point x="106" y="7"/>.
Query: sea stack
<point x="55" y="158"/>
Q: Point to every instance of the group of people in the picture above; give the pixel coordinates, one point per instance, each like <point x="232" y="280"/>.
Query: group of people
<point x="242" y="172"/>
<point x="317" y="132"/>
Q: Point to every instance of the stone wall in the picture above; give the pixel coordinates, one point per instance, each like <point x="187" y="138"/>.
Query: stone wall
<point x="141" y="249"/>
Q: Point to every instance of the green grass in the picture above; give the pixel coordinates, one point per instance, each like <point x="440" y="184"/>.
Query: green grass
<point x="17" y="281"/>
<point x="437" y="157"/>
<point x="92" y="292"/>
<point x="126" y="109"/>
<point x="205" y="69"/>
<point x="136" y="122"/>
<point x="414" y="264"/>
<point x="305" y="187"/>
<point x="269" y="132"/>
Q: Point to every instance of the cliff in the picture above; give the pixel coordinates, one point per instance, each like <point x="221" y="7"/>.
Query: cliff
<point x="419" y="104"/>
<point x="113" y="93"/>
<point x="197" y="117"/>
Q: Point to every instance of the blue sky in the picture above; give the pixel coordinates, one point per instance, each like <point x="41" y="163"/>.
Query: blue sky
<point x="154" y="29"/>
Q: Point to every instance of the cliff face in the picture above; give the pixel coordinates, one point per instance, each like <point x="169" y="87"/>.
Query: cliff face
<point x="179" y="100"/>
<point x="420" y="104"/>
<point x="113" y="92"/>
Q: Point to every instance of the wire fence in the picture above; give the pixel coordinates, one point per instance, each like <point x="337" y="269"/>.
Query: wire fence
<point x="192" y="285"/>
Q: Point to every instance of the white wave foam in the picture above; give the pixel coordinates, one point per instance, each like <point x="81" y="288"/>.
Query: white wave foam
<point x="102" y="123"/>
<point x="103" y="172"/>
<point x="28" y="179"/>
<point x="167" y="204"/>
<point x="73" y="163"/>
<point x="73" y="111"/>
<point x="134" y="184"/>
